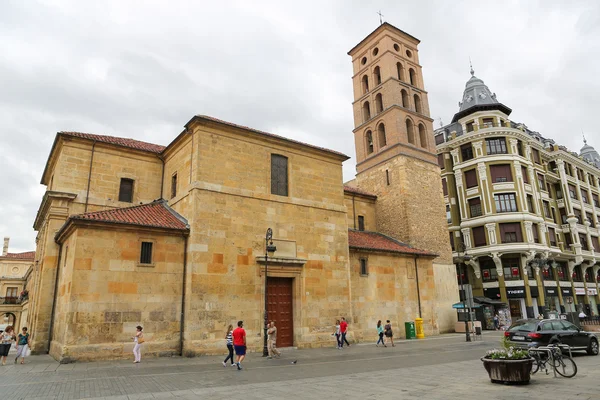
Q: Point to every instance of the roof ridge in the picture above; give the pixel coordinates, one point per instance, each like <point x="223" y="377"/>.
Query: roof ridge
<point x="118" y="141"/>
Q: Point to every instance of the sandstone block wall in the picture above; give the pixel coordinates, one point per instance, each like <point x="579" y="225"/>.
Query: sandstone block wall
<point x="360" y="206"/>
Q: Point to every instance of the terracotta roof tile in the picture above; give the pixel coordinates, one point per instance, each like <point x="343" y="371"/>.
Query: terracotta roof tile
<point x="355" y="190"/>
<point x="269" y="134"/>
<point x="27" y="255"/>
<point x="156" y="215"/>
<point x="118" y="141"/>
<point x="377" y="241"/>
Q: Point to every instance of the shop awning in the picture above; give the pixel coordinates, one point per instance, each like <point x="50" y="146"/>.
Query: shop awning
<point x="461" y="306"/>
<point x="487" y="300"/>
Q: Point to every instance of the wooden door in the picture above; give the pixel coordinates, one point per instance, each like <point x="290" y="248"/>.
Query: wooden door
<point x="281" y="309"/>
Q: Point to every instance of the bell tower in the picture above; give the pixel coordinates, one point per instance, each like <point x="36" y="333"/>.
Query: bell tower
<point x="393" y="135"/>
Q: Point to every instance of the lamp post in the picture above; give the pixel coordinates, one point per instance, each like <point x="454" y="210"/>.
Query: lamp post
<point x="460" y="260"/>
<point x="269" y="248"/>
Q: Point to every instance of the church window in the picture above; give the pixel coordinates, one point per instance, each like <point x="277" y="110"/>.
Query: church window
<point x="363" y="267"/>
<point x="365" y="84"/>
<point x="381" y="135"/>
<point x="400" y="70"/>
<point x="279" y="175"/>
<point x="396" y="47"/>
<point x="126" y="190"/>
<point x="418" y="107"/>
<point x="413" y="77"/>
<point x="146" y="253"/>
<point x="366" y="111"/>
<point x="363" y="61"/>
<point x="410" y="132"/>
<point x="423" y="136"/>
<point x="375" y="51"/>
<point x="404" y="98"/>
<point x="378" y="103"/>
<point x="408" y="53"/>
<point x="174" y="185"/>
<point x="377" y="73"/>
<point x="361" y="223"/>
<point x="369" y="138"/>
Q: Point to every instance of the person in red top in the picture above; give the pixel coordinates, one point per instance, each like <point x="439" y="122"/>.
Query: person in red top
<point x="343" y="331"/>
<point x="239" y="344"/>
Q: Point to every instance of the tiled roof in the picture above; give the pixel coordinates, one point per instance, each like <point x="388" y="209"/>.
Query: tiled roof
<point x="155" y="215"/>
<point x="268" y="134"/>
<point x="27" y="255"/>
<point x="118" y="141"/>
<point x="377" y="241"/>
<point x="351" y="189"/>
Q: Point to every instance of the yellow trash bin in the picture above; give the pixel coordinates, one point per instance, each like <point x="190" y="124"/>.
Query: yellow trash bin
<point x="419" y="327"/>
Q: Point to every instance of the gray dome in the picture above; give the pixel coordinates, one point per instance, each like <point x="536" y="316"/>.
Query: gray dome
<point x="590" y="154"/>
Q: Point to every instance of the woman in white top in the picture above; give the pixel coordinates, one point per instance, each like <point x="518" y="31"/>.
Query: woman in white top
<point x="6" y="339"/>
<point x="138" y="339"/>
<point x="338" y="334"/>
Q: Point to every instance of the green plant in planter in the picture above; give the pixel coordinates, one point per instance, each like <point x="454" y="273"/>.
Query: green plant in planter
<point x="507" y="352"/>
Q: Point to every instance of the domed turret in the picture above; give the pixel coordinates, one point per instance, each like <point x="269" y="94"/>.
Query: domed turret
<point x="590" y="154"/>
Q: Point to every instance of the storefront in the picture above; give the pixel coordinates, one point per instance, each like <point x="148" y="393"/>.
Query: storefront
<point x="581" y="303"/>
<point x="552" y="299"/>
<point x="592" y="292"/>
<point x="569" y="303"/>
<point x="516" y="302"/>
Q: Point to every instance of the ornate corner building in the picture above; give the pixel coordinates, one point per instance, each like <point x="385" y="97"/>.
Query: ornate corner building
<point x="524" y="208"/>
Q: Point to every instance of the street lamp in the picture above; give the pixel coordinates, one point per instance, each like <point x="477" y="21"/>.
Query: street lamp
<point x="460" y="248"/>
<point x="269" y="248"/>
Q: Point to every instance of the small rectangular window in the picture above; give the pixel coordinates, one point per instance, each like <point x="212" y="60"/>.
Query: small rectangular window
<point x="530" y="204"/>
<point x="279" y="175"/>
<point x="174" y="185"/>
<point x="363" y="267"/>
<point x="387" y="177"/>
<point x="146" y="253"/>
<point x="126" y="190"/>
<point x="444" y="187"/>
<point x="361" y="223"/>
<point x="536" y="156"/>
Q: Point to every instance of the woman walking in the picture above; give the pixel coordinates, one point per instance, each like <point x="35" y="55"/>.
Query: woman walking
<point x="6" y="340"/>
<point x="22" y="346"/>
<point x="338" y="334"/>
<point x="229" y="339"/>
<point x="388" y="332"/>
<point x="380" y="333"/>
<point x="138" y="339"/>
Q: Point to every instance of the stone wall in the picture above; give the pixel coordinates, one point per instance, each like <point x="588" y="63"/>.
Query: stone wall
<point x="358" y="205"/>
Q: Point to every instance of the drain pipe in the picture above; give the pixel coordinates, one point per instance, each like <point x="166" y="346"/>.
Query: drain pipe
<point x="87" y="195"/>
<point x="183" y="294"/>
<point x="418" y="290"/>
<point x="50" y="329"/>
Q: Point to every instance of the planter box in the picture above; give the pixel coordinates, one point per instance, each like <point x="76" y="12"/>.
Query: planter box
<point x="516" y="372"/>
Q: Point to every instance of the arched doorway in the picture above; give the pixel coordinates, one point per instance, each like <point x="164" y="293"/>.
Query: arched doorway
<point x="7" y="319"/>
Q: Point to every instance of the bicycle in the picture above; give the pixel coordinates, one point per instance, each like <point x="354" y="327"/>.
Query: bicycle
<point x="553" y="355"/>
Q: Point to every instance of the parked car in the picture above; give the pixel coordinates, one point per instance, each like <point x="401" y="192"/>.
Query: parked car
<point x="535" y="332"/>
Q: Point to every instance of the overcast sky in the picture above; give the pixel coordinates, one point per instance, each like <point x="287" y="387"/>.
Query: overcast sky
<point x="141" y="69"/>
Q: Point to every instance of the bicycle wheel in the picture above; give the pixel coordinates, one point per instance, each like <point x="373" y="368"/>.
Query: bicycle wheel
<point x="535" y="367"/>
<point x="565" y="366"/>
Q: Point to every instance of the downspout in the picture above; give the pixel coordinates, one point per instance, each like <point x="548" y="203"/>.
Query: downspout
<point x="162" y="181"/>
<point x="183" y="294"/>
<point x="418" y="290"/>
<point x="87" y="196"/>
<point x="60" y="246"/>
<point x="353" y="212"/>
<point x="191" y="157"/>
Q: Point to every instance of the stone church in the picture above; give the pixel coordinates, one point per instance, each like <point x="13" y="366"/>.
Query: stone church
<point x="173" y="238"/>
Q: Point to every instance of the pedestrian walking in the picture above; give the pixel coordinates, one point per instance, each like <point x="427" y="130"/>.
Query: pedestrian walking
<point x="337" y="334"/>
<point x="380" y="334"/>
<point x="496" y="321"/>
<point x="389" y="333"/>
<point x="272" y="341"/>
<point x="6" y="339"/>
<point x="138" y="339"/>
<point x="344" y="331"/>
<point x="22" y="345"/>
<point x="229" y="341"/>
<point x="239" y="344"/>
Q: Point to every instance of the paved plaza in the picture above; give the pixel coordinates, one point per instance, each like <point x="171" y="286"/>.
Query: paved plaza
<point x="442" y="367"/>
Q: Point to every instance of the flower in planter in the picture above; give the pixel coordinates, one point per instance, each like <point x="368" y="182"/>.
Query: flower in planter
<point x="507" y="352"/>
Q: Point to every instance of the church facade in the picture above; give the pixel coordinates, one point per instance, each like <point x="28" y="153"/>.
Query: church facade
<point x="174" y="238"/>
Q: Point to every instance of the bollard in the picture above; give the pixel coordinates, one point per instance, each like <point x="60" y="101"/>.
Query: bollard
<point x="419" y="328"/>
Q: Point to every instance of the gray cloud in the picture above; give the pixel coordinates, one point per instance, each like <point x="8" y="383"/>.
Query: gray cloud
<point x="142" y="69"/>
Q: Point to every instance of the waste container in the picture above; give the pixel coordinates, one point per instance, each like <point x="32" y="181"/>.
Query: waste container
<point x="411" y="332"/>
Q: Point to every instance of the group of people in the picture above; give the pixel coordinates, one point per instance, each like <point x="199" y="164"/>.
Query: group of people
<point x="385" y="331"/>
<point x="341" y="329"/>
<point x="8" y="337"/>
<point x="236" y="341"/>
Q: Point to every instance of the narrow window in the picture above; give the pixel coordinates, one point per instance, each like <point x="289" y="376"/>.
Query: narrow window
<point x="404" y="98"/>
<point x="366" y="111"/>
<point x="387" y="177"/>
<point x="475" y="207"/>
<point x="479" y="238"/>
<point x="365" y="84"/>
<point x="363" y="266"/>
<point x="126" y="190"/>
<point x="444" y="187"/>
<point x="378" y="103"/>
<point x="470" y="126"/>
<point x="422" y="136"/>
<point x="146" y="253"/>
<point x="381" y="135"/>
<point x="471" y="178"/>
<point x="441" y="162"/>
<point x="466" y="150"/>
<point x="369" y="138"/>
<point x="174" y="185"/>
<point x="279" y="175"/>
<point x="418" y="107"/>
<point x="413" y="77"/>
<point x="400" y="70"/>
<point x="410" y="132"/>
<point x="377" y="73"/>
<point x="361" y="223"/>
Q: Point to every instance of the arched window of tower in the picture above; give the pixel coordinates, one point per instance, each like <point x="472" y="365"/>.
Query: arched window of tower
<point x="413" y="77"/>
<point x="366" y="111"/>
<point x="404" y="98"/>
<point x="377" y="73"/>
<point x="418" y="107"/>
<point x="400" y="70"/>
<point x="378" y="103"/>
<point x="423" y="136"/>
<point x="369" y="137"/>
<point x="365" y="84"/>
<point x="410" y="132"/>
<point x="381" y="135"/>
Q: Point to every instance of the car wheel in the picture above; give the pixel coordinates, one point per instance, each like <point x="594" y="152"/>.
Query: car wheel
<point x="593" y="347"/>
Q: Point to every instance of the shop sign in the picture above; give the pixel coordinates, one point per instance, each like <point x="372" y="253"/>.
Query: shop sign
<point x="592" y="292"/>
<point x="517" y="292"/>
<point x="491" y="293"/>
<point x="566" y="291"/>
<point x="579" y="291"/>
<point x="551" y="292"/>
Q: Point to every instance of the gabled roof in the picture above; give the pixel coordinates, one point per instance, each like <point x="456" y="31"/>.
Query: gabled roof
<point x="355" y="190"/>
<point x="272" y="135"/>
<point x="118" y="141"/>
<point x="366" y="240"/>
<point x="153" y="215"/>
<point x="25" y="256"/>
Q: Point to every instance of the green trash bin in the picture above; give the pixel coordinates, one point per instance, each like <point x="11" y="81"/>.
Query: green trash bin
<point x="411" y="332"/>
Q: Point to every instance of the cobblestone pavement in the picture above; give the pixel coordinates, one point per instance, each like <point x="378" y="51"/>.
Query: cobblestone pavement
<point x="442" y="367"/>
